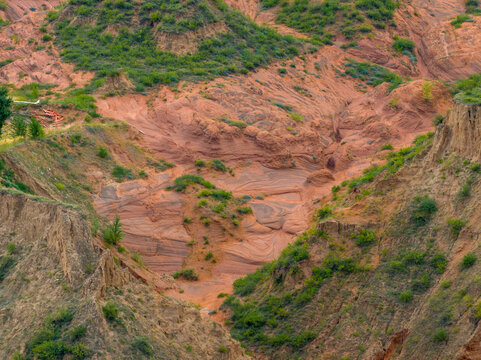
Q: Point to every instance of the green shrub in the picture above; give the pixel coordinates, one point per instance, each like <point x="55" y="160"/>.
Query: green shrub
<point x="456" y="225"/>
<point x="406" y="296"/>
<point x="460" y="19"/>
<point x="199" y="163"/>
<point x="244" y="210"/>
<point x="208" y="256"/>
<point x="386" y="147"/>
<point x="296" y="116"/>
<point x="12" y="248"/>
<point x="439" y="262"/>
<point x="477" y="311"/>
<point x="78" y="332"/>
<point x="401" y="44"/>
<point x="187" y="274"/>
<point x="364" y="238"/>
<point x="427" y="91"/>
<point x="438" y="119"/>
<point x="220" y="195"/>
<point x="323" y="213"/>
<point x="218" y="165"/>
<point x="79" y="351"/>
<point x="113" y="233"/>
<point x="36" y="129"/>
<point x="182" y="182"/>
<point x="19" y="126"/>
<point x="468" y="260"/>
<point x="422" y="284"/>
<point x="302" y="339"/>
<point x="142" y="344"/>
<point x="6" y="264"/>
<point x="440" y="335"/>
<point x="120" y="173"/>
<point x="5" y="106"/>
<point x="465" y="190"/>
<point x="223" y="349"/>
<point x="424" y="208"/>
<point x="110" y="310"/>
<point x="472" y="7"/>
<point x="102" y="153"/>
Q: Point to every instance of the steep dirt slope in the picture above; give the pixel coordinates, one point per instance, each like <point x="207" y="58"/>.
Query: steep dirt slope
<point x="391" y="275"/>
<point x="33" y="60"/>
<point x="51" y="267"/>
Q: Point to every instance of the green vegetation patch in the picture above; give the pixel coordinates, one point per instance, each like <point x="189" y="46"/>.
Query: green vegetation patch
<point x="132" y="44"/>
<point x="260" y="317"/>
<point x="6" y="264"/>
<point x="8" y="179"/>
<point x="182" y="182"/>
<point x="468" y="91"/>
<point x="54" y="340"/>
<point x="187" y="274"/>
<point x="324" y="19"/>
<point x="460" y="19"/>
<point x="395" y="161"/>
<point x="472" y="7"/>
<point x="424" y="208"/>
<point x="371" y="74"/>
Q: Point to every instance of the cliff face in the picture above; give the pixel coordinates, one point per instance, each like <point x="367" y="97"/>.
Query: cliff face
<point x="460" y="133"/>
<point x="48" y="264"/>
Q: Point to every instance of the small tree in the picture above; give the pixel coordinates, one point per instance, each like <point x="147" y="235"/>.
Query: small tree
<point x="36" y="129"/>
<point x="427" y="93"/>
<point x="113" y="232"/>
<point x="19" y="126"/>
<point x="5" y="106"/>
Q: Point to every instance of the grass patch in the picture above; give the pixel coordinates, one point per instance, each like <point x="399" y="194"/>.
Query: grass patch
<point x="371" y="74"/>
<point x="323" y="20"/>
<point x="395" y="161"/>
<point x="468" y="91"/>
<point x="182" y="182"/>
<point x="460" y="19"/>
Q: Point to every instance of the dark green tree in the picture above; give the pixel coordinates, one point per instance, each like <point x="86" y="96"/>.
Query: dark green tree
<point x="5" y="106"/>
